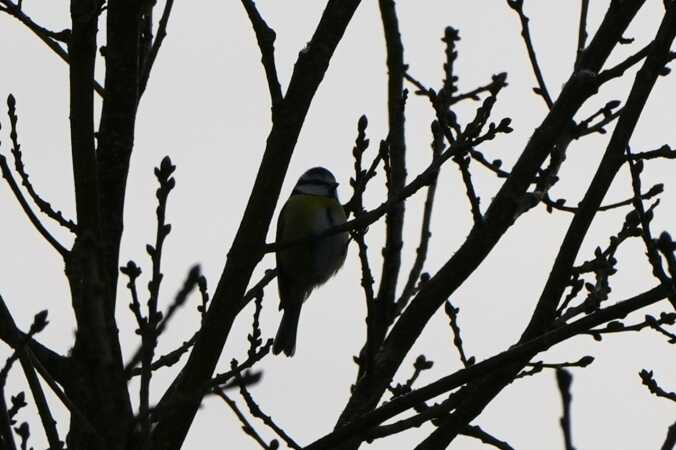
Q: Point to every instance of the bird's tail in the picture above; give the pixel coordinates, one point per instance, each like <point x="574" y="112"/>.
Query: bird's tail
<point x="285" y="341"/>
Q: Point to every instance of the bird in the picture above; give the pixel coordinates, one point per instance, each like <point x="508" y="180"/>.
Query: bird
<point x="312" y="208"/>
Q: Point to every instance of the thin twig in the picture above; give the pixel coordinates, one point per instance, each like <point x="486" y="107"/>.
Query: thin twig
<point x="635" y="168"/>
<point x="480" y="369"/>
<point x="420" y="365"/>
<point x="582" y="31"/>
<point x="537" y="366"/>
<point x="619" y="327"/>
<point x="560" y="204"/>
<point x="6" y="434"/>
<point x="670" y="440"/>
<point x="266" y="43"/>
<point x="476" y="432"/>
<point x="663" y="152"/>
<point x="226" y="377"/>
<point x="429" y="413"/>
<point x="48" y="37"/>
<point x="154" y="50"/>
<point x="474" y="200"/>
<point x="168" y="359"/>
<point x="188" y="285"/>
<point x="7" y="174"/>
<point x="541" y="90"/>
<point x="564" y="380"/>
<point x="452" y="313"/>
<point x="246" y="425"/>
<point x="257" y="412"/>
<point x="44" y="206"/>
<point x="649" y="381"/>
<point x="425" y="233"/>
<point x="48" y="422"/>
<point x="619" y="69"/>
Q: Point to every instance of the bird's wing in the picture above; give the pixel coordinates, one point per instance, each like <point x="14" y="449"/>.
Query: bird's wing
<point x="282" y="279"/>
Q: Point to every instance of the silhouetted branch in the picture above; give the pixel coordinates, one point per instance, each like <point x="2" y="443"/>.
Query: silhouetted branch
<point x="635" y="168"/>
<point x="38" y="357"/>
<point x="7" y="175"/>
<point x="670" y="440"/>
<point x="168" y="359"/>
<point x="608" y="113"/>
<point x="560" y="204"/>
<point x="619" y="69"/>
<point x="246" y="425"/>
<point x="256" y="411"/>
<point x="541" y="90"/>
<point x="354" y="428"/>
<point x="420" y="365"/>
<point x="425" y="233"/>
<point x="582" y="30"/>
<point x="395" y="170"/>
<point x="663" y="152"/>
<point x="21" y="352"/>
<point x="6" y="435"/>
<point x="428" y="413"/>
<point x="452" y="313"/>
<point x="476" y="432"/>
<point x="180" y="298"/>
<point x="49" y="37"/>
<point x="149" y="61"/>
<point x="538" y="366"/>
<point x="564" y="379"/>
<point x="44" y="206"/>
<point x="463" y="164"/>
<point x="254" y="337"/>
<point x="46" y="418"/>
<point x="266" y="43"/>
<point x="204" y="295"/>
<point x="223" y="378"/>
<point x="649" y="381"/>
<point x="648" y="322"/>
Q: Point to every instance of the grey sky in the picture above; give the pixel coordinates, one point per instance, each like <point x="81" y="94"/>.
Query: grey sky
<point x="207" y="107"/>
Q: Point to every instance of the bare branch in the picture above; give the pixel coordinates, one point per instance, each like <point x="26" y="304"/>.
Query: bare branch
<point x="635" y="168"/>
<point x="353" y="429"/>
<point x="648" y="380"/>
<point x="7" y="175"/>
<point x="44" y="206"/>
<point x="246" y="425"/>
<point x="670" y="440"/>
<point x="50" y="38"/>
<point x="564" y="379"/>
<point x="256" y="411"/>
<point x="538" y="366"/>
<point x="266" y="42"/>
<point x="425" y="233"/>
<point x="476" y="432"/>
<point x="155" y="48"/>
<point x="582" y="30"/>
<point x="452" y="313"/>
<point x="383" y="309"/>
<point x="541" y="90"/>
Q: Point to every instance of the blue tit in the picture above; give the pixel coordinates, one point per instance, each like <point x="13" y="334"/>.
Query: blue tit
<point x="312" y="208"/>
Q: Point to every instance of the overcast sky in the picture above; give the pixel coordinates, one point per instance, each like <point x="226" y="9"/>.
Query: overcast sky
<point x="207" y="107"/>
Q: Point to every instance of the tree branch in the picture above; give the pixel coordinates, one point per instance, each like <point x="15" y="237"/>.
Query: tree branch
<point x="266" y="42"/>
<point x="248" y="245"/>
<point x="499" y="216"/>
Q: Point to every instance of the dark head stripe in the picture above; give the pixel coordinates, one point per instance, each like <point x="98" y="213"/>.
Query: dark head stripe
<point x="317" y="172"/>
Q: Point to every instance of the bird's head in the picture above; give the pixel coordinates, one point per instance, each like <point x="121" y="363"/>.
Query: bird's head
<point x="317" y="181"/>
